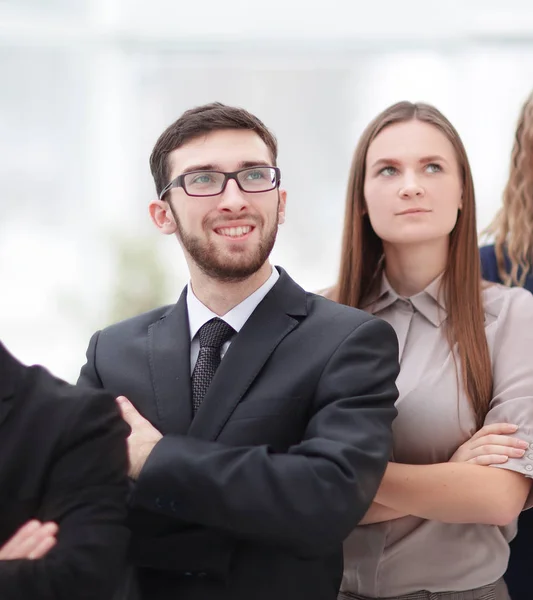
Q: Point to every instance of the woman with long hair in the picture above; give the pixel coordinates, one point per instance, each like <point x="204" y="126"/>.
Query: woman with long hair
<point x="460" y="469"/>
<point x="510" y="261"/>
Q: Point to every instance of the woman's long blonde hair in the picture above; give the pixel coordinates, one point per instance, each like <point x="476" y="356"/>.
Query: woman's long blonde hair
<point x="512" y="226"/>
<point x="362" y="255"/>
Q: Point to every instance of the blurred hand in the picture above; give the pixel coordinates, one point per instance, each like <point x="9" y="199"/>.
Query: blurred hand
<point x="491" y="445"/>
<point x="33" y="540"/>
<point x="142" y="439"/>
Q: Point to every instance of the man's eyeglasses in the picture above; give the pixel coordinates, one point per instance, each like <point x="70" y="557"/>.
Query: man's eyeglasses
<point x="212" y="183"/>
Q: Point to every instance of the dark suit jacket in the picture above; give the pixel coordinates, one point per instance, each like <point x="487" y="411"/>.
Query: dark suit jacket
<point x="253" y="497"/>
<point x="64" y="459"/>
<point x="519" y="576"/>
<point x="489" y="267"/>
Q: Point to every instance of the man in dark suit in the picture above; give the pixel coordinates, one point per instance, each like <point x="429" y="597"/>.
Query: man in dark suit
<point x="248" y="475"/>
<point x="63" y="487"/>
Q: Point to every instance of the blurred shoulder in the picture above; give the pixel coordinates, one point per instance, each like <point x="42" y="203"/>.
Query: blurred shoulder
<point x="489" y="263"/>
<point x="501" y="302"/>
<point x="487" y="253"/>
<point x="41" y="397"/>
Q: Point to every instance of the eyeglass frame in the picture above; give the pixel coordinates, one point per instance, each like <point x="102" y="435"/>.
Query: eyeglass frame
<point x="178" y="181"/>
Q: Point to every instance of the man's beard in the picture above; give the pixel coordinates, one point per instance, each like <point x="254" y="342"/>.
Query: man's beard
<point x="204" y="254"/>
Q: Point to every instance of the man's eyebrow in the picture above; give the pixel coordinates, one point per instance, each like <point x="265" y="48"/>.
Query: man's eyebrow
<point x="245" y="164"/>
<point x="200" y="167"/>
<point x="254" y="163"/>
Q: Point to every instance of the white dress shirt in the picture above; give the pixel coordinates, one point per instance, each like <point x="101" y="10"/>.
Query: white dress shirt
<point x="199" y="314"/>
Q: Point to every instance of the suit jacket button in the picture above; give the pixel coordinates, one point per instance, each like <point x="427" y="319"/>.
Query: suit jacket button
<point x="158" y="502"/>
<point x="187" y="574"/>
<point x="202" y="574"/>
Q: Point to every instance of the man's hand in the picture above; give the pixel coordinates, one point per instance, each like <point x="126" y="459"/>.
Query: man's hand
<point x="33" y="540"/>
<point x="142" y="439"/>
<point x="491" y="445"/>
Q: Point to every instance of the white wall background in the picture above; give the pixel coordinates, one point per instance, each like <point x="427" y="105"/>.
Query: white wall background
<point x="86" y="87"/>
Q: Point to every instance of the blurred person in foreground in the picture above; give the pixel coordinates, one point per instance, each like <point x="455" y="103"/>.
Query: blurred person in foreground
<point x="63" y="486"/>
<point x="460" y="473"/>
<point x="261" y="414"/>
<point x="509" y="261"/>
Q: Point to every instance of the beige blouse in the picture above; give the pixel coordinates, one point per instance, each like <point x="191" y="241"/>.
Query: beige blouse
<point x="409" y="554"/>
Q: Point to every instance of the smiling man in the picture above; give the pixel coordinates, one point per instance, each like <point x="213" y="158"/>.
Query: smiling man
<point x="261" y="414"/>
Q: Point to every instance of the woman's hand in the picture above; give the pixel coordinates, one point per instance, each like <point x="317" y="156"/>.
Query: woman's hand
<point x="491" y="445"/>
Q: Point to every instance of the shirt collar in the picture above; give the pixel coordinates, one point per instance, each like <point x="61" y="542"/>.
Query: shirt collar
<point x="199" y="314"/>
<point x="429" y="302"/>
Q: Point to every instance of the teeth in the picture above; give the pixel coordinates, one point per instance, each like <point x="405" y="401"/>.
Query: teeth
<point x="235" y="231"/>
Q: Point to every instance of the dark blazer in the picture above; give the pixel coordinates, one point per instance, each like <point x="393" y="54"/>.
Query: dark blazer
<point x="519" y="576"/>
<point x="489" y="267"/>
<point x="253" y="497"/>
<point x="64" y="459"/>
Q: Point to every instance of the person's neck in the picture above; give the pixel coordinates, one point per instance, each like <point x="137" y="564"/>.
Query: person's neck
<point x="411" y="268"/>
<point x="221" y="296"/>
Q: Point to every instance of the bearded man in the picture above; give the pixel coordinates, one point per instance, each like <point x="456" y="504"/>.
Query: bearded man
<point x="261" y="414"/>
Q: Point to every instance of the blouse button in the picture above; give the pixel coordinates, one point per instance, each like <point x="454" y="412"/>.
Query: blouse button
<point x="530" y="456"/>
<point x="529" y="468"/>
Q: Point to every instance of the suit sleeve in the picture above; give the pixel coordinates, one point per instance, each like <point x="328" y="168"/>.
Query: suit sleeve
<point x="89" y="377"/>
<point x="312" y="496"/>
<point x="194" y="548"/>
<point x="86" y="496"/>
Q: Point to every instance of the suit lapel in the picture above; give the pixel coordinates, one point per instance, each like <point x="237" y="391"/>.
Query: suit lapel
<point x="273" y="319"/>
<point x="170" y="366"/>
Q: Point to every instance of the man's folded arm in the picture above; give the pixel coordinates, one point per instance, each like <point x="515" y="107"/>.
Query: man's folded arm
<point x="178" y="551"/>
<point x="194" y="549"/>
<point x="85" y="494"/>
<point x="310" y="497"/>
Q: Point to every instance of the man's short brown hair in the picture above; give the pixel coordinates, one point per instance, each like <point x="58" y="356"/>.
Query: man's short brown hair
<point x="201" y="121"/>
